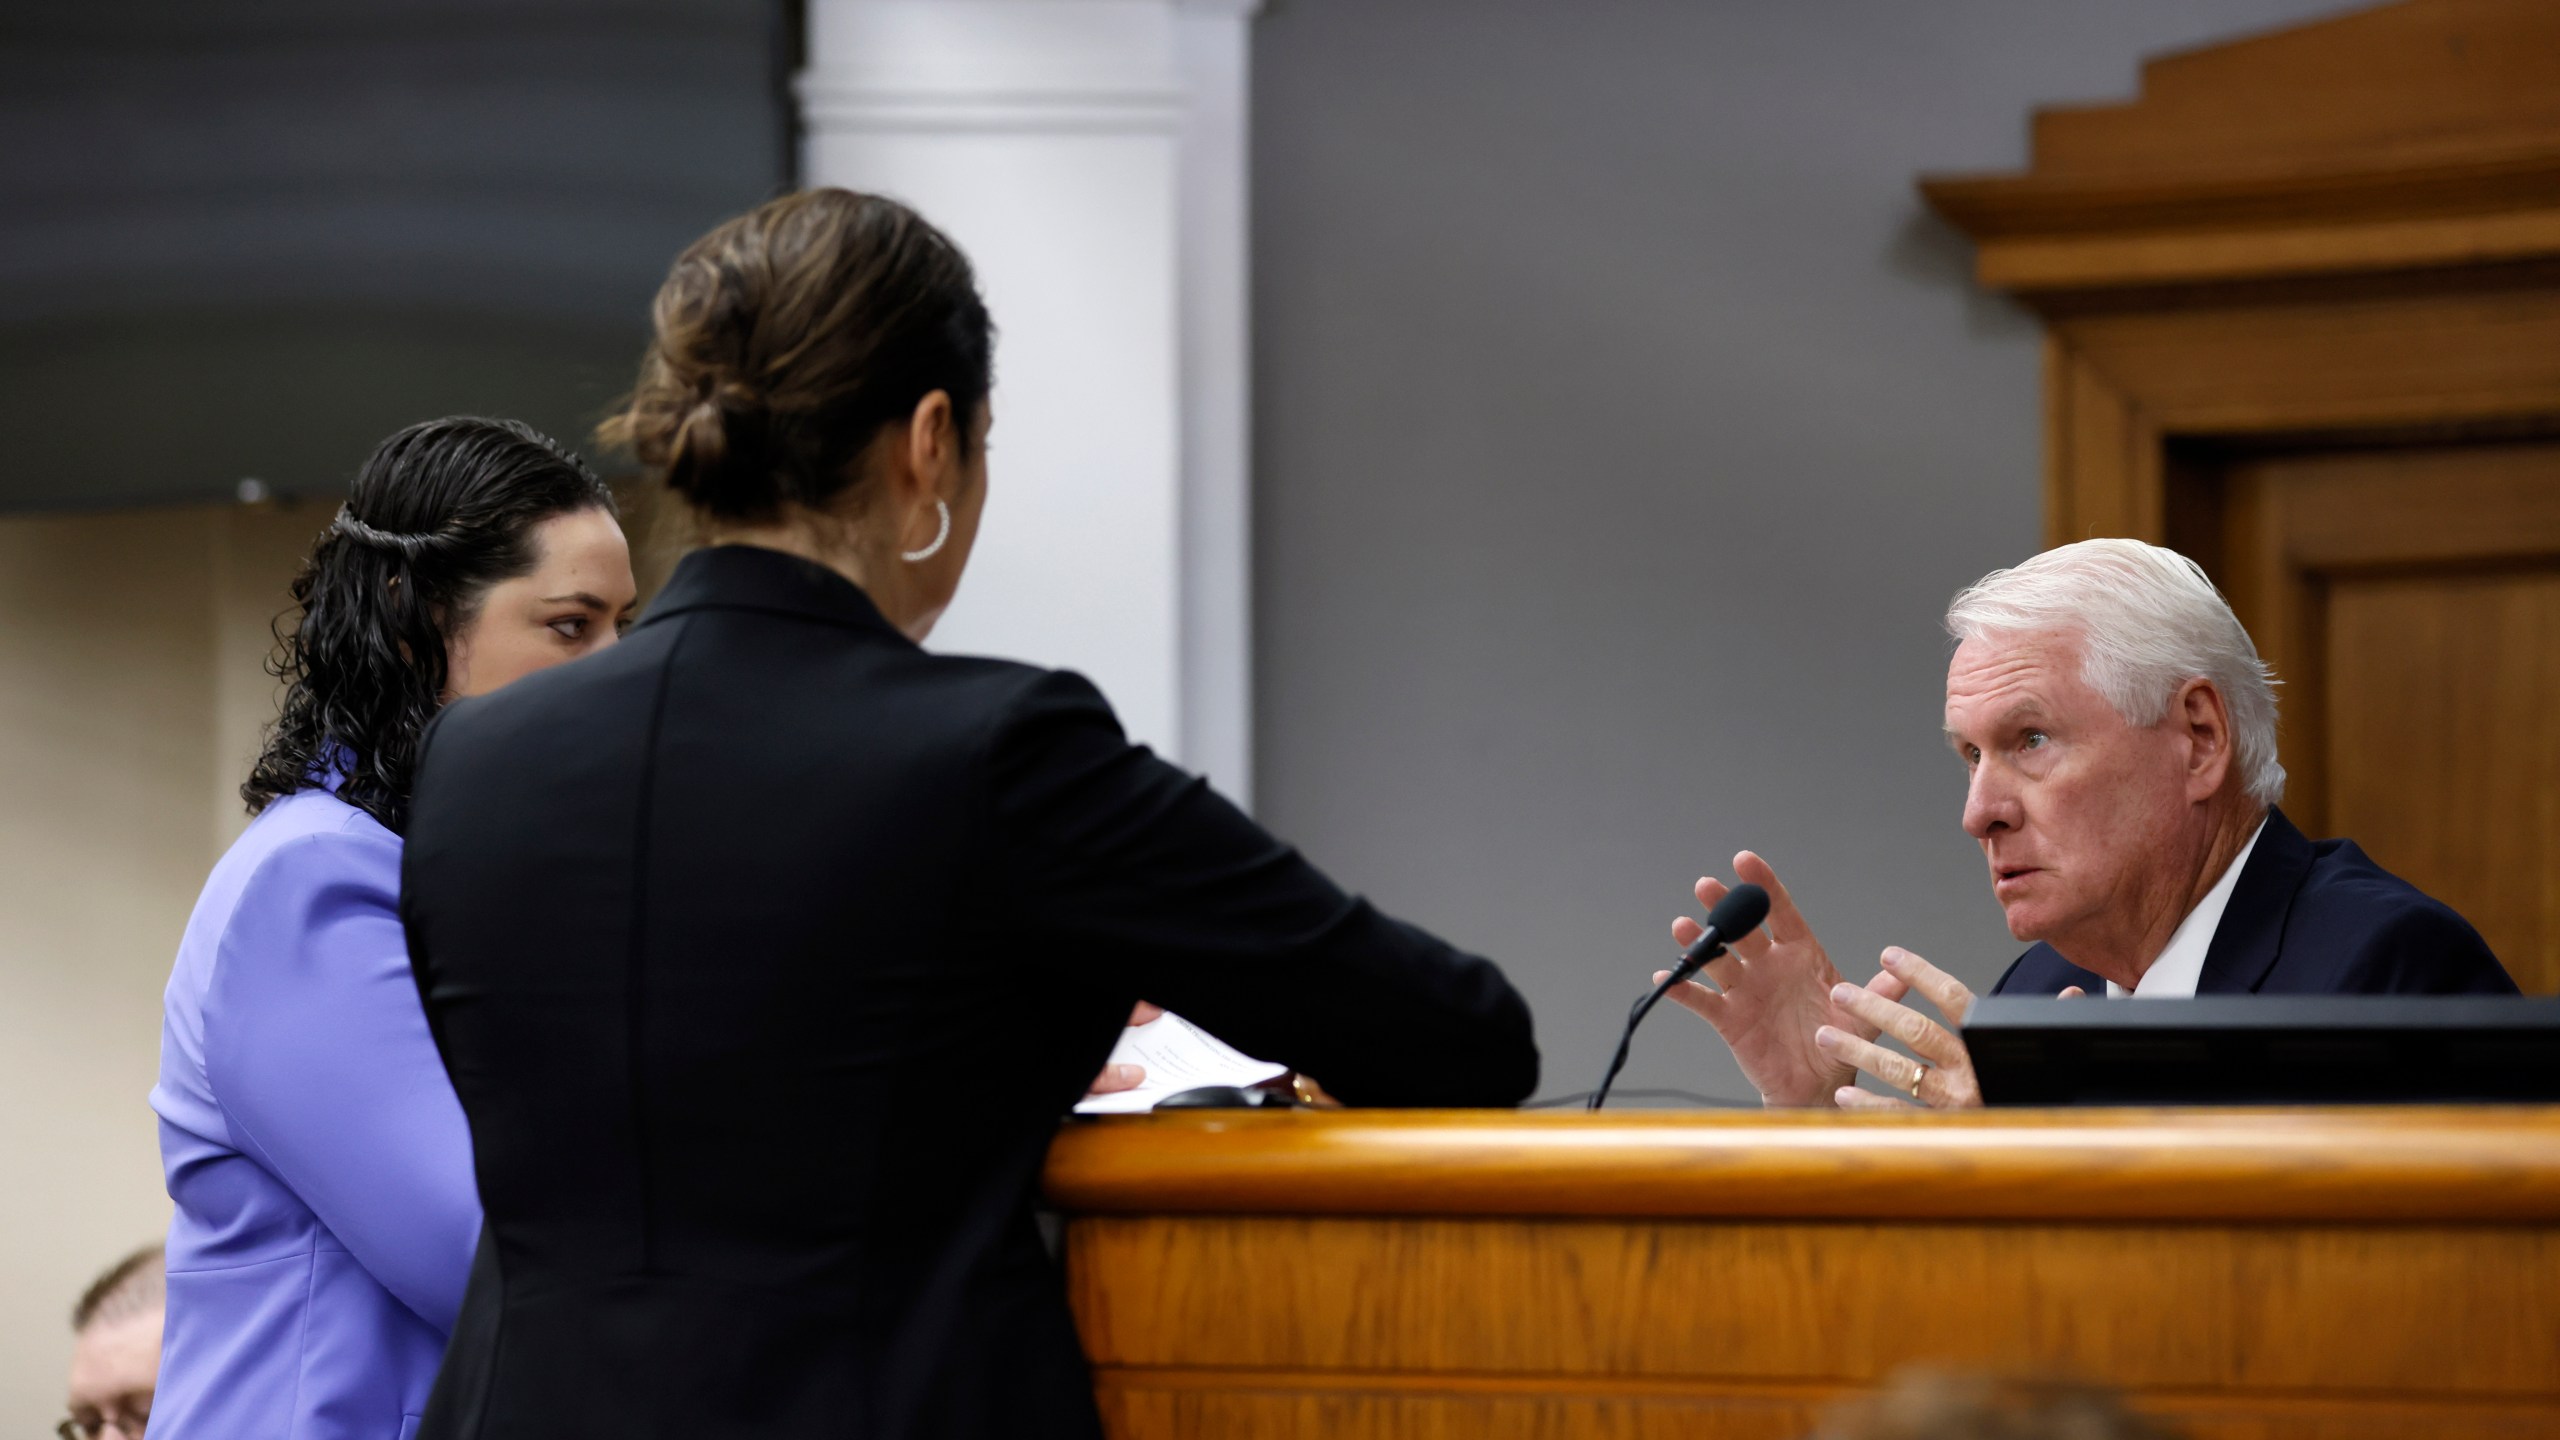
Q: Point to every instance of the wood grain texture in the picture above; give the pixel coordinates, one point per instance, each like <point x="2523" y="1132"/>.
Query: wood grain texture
<point x="2401" y="362"/>
<point x="1278" y="1297"/>
<point x="2466" y="178"/>
<point x="2309" y="245"/>
<point x="2382" y="1164"/>
<point x="2409" y="596"/>
<point x="2390" y="83"/>
<point x="2103" y="433"/>
<point x="2406" y="137"/>
<point x="1339" y="1408"/>
<point x="2472" y="1310"/>
<point x="2444" y="746"/>
<point x="2332" y="510"/>
<point x="2406" y="508"/>
<point x="2284" y="607"/>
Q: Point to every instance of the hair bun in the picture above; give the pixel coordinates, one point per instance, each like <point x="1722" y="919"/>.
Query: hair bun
<point x="786" y="338"/>
<point x="710" y="450"/>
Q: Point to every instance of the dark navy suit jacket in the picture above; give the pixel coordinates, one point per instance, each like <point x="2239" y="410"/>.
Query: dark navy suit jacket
<point x="2314" y="918"/>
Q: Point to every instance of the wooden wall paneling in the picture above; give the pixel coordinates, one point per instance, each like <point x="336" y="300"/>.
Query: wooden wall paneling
<point x="2057" y="431"/>
<point x="2482" y="505"/>
<point x="2446" y="746"/>
<point x="2417" y="620"/>
<point x="2417" y="633"/>
<point x="2299" y="368"/>
<point x="2111" y="467"/>
<point x="2283" y="605"/>
<point x="2445" y="363"/>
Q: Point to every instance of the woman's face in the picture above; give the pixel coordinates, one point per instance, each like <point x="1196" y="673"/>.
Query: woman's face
<point x="576" y="600"/>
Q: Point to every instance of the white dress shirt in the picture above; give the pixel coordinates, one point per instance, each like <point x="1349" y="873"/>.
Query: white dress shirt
<point x="2174" y="975"/>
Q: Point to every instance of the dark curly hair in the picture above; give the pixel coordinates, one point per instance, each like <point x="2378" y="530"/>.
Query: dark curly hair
<point x="440" y="512"/>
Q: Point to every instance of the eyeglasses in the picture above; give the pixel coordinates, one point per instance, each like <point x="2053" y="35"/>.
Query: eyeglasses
<point x="125" y="1420"/>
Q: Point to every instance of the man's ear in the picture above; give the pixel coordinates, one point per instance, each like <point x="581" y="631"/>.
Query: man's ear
<point x="2204" y="723"/>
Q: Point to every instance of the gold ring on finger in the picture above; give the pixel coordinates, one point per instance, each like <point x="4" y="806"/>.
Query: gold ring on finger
<point x="1919" y="1072"/>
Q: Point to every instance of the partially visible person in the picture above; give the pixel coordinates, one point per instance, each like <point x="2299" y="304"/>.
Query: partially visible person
<point x="768" y="951"/>
<point x="115" y="1350"/>
<point x="322" y="1171"/>
<point x="2118" y="734"/>
<point x="1922" y="1404"/>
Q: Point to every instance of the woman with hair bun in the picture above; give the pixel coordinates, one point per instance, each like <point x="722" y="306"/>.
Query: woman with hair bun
<point x="322" y="1171"/>
<point x="768" y="951"/>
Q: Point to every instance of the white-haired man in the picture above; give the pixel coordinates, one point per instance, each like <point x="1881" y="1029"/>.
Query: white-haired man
<point x="2118" y="732"/>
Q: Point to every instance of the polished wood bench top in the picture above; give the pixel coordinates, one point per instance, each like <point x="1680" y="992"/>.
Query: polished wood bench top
<point x="2438" y="1164"/>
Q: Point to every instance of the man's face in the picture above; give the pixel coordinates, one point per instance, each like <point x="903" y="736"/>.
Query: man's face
<point x="114" y="1365"/>
<point x="2075" y="810"/>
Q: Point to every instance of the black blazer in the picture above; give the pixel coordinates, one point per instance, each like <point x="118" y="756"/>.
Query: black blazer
<point x="766" y="952"/>
<point x="2313" y="918"/>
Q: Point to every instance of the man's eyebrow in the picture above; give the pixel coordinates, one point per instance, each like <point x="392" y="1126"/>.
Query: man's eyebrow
<point x="2015" y="713"/>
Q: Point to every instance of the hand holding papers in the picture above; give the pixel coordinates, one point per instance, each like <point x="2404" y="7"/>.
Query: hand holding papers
<point x="1178" y="1056"/>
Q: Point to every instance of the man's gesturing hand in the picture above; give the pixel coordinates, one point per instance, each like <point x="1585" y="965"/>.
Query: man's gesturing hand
<point x="1773" y="991"/>
<point x="1942" y="1078"/>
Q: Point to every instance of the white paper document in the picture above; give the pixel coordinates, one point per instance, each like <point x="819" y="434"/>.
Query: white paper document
<point x="1178" y="1056"/>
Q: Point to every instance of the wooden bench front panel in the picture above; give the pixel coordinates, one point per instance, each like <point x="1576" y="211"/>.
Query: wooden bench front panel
<point x="1251" y="1327"/>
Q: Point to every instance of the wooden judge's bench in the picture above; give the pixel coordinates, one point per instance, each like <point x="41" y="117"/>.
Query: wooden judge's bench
<point x="1460" y="1274"/>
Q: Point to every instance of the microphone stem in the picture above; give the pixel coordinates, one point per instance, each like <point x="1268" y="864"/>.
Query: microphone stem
<point x="1679" y="975"/>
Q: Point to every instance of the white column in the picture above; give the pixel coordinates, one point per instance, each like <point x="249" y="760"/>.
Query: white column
<point x="1089" y="155"/>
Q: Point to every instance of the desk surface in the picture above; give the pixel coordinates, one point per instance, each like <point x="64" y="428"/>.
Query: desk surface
<point x="2372" y="1164"/>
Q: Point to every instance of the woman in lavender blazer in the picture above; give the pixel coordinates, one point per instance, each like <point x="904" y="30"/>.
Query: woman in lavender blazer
<point x="326" y="1210"/>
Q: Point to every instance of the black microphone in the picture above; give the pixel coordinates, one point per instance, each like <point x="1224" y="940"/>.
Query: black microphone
<point x="1736" y="915"/>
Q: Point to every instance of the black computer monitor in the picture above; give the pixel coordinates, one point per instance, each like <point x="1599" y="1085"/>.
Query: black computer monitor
<point x="2265" y="1050"/>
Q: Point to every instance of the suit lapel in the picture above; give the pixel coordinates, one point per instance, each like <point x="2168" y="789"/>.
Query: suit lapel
<point x="2245" y="943"/>
<point x="2043" y="971"/>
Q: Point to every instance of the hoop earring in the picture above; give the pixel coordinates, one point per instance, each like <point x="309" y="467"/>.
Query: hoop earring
<point x="943" y="507"/>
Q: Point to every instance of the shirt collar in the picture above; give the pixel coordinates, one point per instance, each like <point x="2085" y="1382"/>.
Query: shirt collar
<point x="751" y="577"/>
<point x="2181" y="964"/>
<point x="333" y="765"/>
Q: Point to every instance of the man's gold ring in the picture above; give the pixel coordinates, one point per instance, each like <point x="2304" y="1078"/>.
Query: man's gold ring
<point x="1919" y="1072"/>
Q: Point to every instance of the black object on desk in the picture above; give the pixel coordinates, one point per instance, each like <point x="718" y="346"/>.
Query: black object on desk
<point x="2265" y="1050"/>
<point x="1228" y="1097"/>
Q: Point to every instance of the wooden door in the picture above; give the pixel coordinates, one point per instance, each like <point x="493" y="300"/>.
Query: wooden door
<point x="2409" y="599"/>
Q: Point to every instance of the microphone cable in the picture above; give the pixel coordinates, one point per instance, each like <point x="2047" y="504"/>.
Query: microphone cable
<point x="1736" y="915"/>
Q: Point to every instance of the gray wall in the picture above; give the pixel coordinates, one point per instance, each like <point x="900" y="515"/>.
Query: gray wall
<point x="1623" y="426"/>
<point x="250" y="239"/>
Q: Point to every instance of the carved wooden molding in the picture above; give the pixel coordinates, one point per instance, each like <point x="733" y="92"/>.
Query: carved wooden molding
<point x="2416" y="136"/>
<point x="2349" y="227"/>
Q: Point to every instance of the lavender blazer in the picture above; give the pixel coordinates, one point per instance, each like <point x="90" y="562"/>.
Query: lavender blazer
<point x="326" y="1211"/>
